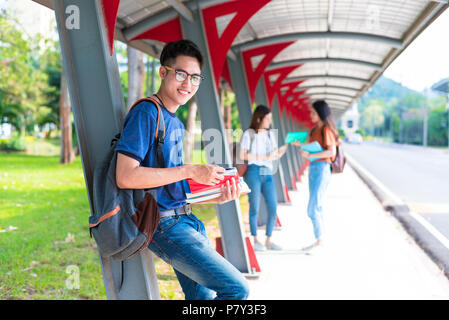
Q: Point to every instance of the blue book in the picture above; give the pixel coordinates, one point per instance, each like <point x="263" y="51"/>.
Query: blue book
<point x="313" y="147"/>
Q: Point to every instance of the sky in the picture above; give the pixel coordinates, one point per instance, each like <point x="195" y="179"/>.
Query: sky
<point x="426" y="60"/>
<point x="423" y="63"/>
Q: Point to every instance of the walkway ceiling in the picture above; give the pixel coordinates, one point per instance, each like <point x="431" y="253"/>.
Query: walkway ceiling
<point x="341" y="47"/>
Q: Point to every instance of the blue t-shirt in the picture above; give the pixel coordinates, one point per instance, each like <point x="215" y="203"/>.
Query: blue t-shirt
<point x="138" y="141"/>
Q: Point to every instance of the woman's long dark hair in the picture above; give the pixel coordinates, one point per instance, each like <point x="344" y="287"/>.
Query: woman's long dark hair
<point x="324" y="112"/>
<point x="259" y="113"/>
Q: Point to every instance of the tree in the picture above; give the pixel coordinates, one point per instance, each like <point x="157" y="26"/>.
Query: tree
<point x="23" y="83"/>
<point x="373" y="116"/>
<point x="67" y="154"/>
<point x="136" y="75"/>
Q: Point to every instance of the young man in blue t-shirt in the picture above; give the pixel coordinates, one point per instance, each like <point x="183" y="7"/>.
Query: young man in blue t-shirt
<point x="180" y="238"/>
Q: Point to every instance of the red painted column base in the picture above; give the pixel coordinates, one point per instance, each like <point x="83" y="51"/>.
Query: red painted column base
<point x="251" y="253"/>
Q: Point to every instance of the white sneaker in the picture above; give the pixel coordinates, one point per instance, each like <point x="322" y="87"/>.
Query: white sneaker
<point x="317" y="250"/>
<point x="310" y="247"/>
<point x="259" y="246"/>
<point x="273" y="246"/>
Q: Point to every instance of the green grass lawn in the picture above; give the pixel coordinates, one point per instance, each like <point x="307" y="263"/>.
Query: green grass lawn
<point x="44" y="232"/>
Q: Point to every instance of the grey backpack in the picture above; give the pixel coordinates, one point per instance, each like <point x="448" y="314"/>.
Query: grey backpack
<point x="124" y="220"/>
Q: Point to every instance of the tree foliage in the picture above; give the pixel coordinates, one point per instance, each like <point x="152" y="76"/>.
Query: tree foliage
<point x="392" y="110"/>
<point x="23" y="83"/>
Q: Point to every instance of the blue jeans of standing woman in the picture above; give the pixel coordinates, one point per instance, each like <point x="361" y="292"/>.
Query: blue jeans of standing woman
<point x="319" y="177"/>
<point x="202" y="272"/>
<point x="260" y="181"/>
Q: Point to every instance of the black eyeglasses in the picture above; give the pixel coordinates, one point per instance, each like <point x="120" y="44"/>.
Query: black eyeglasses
<point x="182" y="75"/>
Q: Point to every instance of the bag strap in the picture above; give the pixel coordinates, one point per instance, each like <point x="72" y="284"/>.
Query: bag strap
<point x="159" y="134"/>
<point x="160" y="126"/>
<point x="336" y="144"/>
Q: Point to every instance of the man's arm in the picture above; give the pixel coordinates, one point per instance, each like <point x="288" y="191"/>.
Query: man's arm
<point x="130" y="175"/>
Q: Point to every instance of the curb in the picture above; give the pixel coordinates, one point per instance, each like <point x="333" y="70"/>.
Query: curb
<point x="425" y="239"/>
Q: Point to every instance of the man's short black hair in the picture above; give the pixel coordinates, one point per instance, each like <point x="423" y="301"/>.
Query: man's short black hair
<point x="174" y="49"/>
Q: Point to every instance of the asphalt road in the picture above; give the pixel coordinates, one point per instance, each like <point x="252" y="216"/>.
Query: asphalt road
<point x="417" y="175"/>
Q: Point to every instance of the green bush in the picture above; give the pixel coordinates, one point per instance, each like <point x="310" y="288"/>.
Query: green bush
<point x="13" y="144"/>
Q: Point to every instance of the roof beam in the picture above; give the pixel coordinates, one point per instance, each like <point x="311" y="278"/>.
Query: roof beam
<point x="317" y="76"/>
<point x="286" y="63"/>
<point x="343" y="102"/>
<point x="396" y="43"/>
<point x="329" y="94"/>
<point x="181" y="9"/>
<point x="178" y="8"/>
<point x="335" y="100"/>
<point x="166" y="15"/>
<point x="327" y="87"/>
<point x="149" y="23"/>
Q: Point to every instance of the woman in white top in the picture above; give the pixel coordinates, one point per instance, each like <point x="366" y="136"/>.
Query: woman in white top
<point x="258" y="146"/>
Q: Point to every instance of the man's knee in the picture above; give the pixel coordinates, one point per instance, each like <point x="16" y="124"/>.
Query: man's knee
<point x="242" y="290"/>
<point x="239" y="290"/>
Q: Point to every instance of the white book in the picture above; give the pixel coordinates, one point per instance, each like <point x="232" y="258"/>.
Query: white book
<point x="202" y="193"/>
<point x="203" y="198"/>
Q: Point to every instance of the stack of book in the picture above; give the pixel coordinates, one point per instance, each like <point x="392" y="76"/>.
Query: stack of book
<point x="198" y="192"/>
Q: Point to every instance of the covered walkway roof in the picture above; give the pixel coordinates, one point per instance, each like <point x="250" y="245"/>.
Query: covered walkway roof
<point x="334" y="49"/>
<point x="442" y="86"/>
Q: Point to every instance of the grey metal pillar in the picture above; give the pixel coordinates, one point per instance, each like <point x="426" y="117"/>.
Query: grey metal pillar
<point x="94" y="85"/>
<point x="241" y="91"/>
<point x="289" y="153"/>
<point x="285" y="160"/>
<point x="278" y="175"/>
<point x="302" y="160"/>
<point x="293" y="149"/>
<point x="229" y="214"/>
<point x="244" y="106"/>
<point x="297" y="127"/>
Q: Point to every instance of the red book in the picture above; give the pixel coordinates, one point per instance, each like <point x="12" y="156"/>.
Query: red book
<point x="197" y="189"/>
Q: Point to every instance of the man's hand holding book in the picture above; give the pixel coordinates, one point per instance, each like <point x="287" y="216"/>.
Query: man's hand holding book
<point x="229" y="187"/>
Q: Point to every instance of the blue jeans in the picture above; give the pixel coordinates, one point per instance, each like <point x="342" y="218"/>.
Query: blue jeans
<point x="319" y="177"/>
<point x="202" y="272"/>
<point x="260" y="181"/>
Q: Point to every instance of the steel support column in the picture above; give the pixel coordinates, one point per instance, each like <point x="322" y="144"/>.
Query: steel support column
<point x="296" y="150"/>
<point x="291" y="148"/>
<point x="279" y="172"/>
<point x="94" y="85"/>
<point x="229" y="214"/>
<point x="279" y="120"/>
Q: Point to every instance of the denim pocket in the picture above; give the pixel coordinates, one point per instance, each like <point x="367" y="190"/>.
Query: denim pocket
<point x="166" y="223"/>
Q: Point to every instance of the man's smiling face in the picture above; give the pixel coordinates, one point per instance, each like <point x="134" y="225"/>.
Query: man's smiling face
<point x="179" y="92"/>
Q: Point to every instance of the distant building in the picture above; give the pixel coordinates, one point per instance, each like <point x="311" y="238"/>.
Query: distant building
<point x="349" y="122"/>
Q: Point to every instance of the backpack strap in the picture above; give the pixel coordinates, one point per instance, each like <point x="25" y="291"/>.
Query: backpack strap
<point x="336" y="143"/>
<point x="159" y="135"/>
<point x="160" y="126"/>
